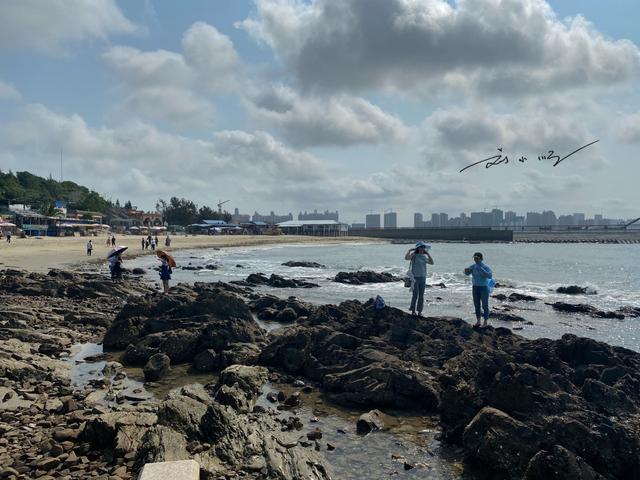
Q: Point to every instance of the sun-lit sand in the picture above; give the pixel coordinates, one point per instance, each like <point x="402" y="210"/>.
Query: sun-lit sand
<point x="41" y="254"/>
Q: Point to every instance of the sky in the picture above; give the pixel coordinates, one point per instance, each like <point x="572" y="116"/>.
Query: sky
<point x="361" y="106"/>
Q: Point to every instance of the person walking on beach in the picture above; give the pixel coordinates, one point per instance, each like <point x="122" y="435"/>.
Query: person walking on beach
<point x="89" y="248"/>
<point x="153" y="244"/>
<point x="113" y="240"/>
<point x="419" y="258"/>
<point x="165" y="273"/>
<point x="481" y="279"/>
<point x="167" y="241"/>
<point x="142" y="242"/>
<point x="9" y="236"/>
<point x="156" y="241"/>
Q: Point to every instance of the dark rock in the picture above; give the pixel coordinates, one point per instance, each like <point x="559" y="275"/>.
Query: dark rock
<point x="518" y="297"/>
<point x="138" y="271"/>
<point x="499" y="443"/>
<point x="277" y="281"/>
<point x="286" y="315"/>
<point x="559" y="464"/>
<point x="370" y="422"/>
<point x="314" y="434"/>
<point x="572" y="290"/>
<point x="292" y="263"/>
<point x="359" y="278"/>
<point x="206" y="361"/>
<point x="157" y="367"/>
<point x="585" y="309"/>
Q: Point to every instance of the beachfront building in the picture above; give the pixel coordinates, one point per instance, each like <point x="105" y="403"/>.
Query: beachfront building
<point x="318" y="228"/>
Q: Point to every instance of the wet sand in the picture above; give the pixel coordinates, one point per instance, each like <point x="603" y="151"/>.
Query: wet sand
<point x="42" y="254"/>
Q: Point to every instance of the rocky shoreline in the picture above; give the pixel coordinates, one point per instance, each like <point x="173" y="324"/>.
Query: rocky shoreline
<point x="518" y="408"/>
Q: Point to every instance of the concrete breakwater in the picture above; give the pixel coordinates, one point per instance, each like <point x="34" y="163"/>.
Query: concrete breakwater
<point x="578" y="236"/>
<point x="575" y="401"/>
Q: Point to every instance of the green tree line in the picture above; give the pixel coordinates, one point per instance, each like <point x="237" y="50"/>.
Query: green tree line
<point x="41" y="193"/>
<point x="181" y="211"/>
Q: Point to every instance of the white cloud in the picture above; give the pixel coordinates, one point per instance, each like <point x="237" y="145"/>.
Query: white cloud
<point x="489" y="46"/>
<point x="176" y="87"/>
<point x="8" y="92"/>
<point x="49" y="26"/>
<point x="340" y="120"/>
<point x="629" y="128"/>
<point x="457" y="137"/>
<point x="115" y="157"/>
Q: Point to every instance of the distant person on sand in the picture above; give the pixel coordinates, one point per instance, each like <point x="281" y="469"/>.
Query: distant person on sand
<point x="165" y="273"/>
<point x="419" y="258"/>
<point x="153" y="244"/>
<point x="167" y="241"/>
<point x="156" y="239"/>
<point x="9" y="237"/>
<point x="113" y="241"/>
<point x="142" y="242"/>
<point x="89" y="248"/>
<point x="481" y="279"/>
<point x="108" y="241"/>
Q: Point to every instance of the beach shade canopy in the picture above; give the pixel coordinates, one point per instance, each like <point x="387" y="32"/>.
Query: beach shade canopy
<point x="115" y="251"/>
<point x="7" y="224"/>
<point x="167" y="257"/>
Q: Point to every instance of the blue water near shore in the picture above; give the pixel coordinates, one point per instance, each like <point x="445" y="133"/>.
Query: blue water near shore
<point x="613" y="271"/>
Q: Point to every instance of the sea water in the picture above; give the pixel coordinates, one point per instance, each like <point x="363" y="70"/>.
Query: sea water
<point x="611" y="274"/>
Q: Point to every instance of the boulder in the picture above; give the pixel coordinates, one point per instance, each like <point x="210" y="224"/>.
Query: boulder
<point x="558" y="463"/>
<point x="278" y="281"/>
<point x="157" y="367"/>
<point x="572" y="290"/>
<point x="359" y="278"/>
<point x="304" y="264"/>
<point x="370" y="422"/>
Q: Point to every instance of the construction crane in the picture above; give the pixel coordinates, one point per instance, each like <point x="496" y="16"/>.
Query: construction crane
<point x="220" y="203"/>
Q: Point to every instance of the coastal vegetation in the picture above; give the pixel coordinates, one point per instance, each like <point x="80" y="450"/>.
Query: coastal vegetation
<point x="42" y="193"/>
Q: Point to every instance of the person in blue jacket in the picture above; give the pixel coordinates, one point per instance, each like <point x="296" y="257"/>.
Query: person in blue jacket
<point x="481" y="279"/>
<point x="165" y="274"/>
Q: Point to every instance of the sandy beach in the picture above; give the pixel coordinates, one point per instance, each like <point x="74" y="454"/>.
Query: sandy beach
<point x="42" y="254"/>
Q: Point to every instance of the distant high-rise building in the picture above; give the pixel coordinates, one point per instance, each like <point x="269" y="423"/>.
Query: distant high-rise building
<point x="497" y="217"/>
<point x="372" y="220"/>
<point x="565" y="220"/>
<point x="510" y="217"/>
<point x="417" y="220"/>
<point x="444" y="220"/>
<point x="238" y="217"/>
<point x="548" y="217"/>
<point x="534" y="219"/>
<point x="272" y="218"/>
<point x="578" y="218"/>
<point x="476" y="219"/>
<point x="597" y="219"/>
<point x="315" y="215"/>
<point x="435" y="220"/>
<point x="391" y="220"/>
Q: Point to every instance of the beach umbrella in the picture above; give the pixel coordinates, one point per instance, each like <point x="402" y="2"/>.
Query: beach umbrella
<point x="167" y="257"/>
<point x="115" y="251"/>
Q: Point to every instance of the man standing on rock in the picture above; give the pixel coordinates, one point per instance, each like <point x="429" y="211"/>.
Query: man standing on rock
<point x="419" y="257"/>
<point x="481" y="279"/>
